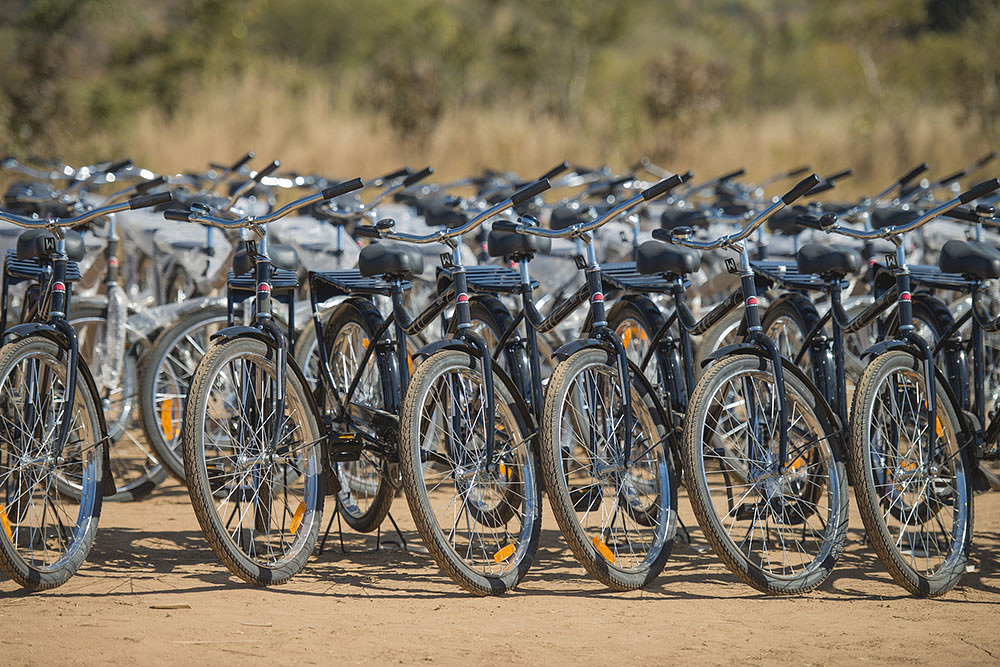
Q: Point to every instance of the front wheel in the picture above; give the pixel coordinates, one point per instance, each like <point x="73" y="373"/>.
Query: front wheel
<point x="50" y="498"/>
<point x="778" y="523"/>
<point x="478" y="513"/>
<point x="255" y="475"/>
<point x="911" y="479"/>
<point x="615" y="498"/>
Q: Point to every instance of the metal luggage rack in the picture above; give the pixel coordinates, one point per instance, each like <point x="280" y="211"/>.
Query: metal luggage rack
<point x="624" y="276"/>
<point x="17" y="270"/>
<point x="933" y="277"/>
<point x="282" y="280"/>
<point x="786" y="274"/>
<point x="328" y="284"/>
<point x="487" y="278"/>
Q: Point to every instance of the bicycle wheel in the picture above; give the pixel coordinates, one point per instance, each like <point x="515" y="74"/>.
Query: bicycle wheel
<point x="136" y="468"/>
<point x="779" y="525"/>
<point x="255" y="481"/>
<point x="636" y="324"/>
<point x="787" y="322"/>
<point x="166" y="378"/>
<point x="47" y="532"/>
<point x="616" y="509"/>
<point x="917" y="507"/>
<point x="366" y="492"/>
<point x="479" y="519"/>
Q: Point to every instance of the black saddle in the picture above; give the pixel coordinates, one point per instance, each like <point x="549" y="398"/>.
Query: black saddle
<point x="503" y="244"/>
<point x="892" y="217"/>
<point x="282" y="257"/>
<point x="40" y="243"/>
<point x="660" y="257"/>
<point x="567" y="215"/>
<point x="380" y="259"/>
<point x="970" y="258"/>
<point x="820" y="259"/>
<point x="438" y="212"/>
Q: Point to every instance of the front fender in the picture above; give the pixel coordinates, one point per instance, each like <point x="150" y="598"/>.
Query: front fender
<point x="735" y="348"/>
<point x="83" y="371"/>
<point x="229" y="333"/>
<point x="887" y="345"/>
<point x="446" y="344"/>
<point x="575" y="346"/>
<point x="36" y="329"/>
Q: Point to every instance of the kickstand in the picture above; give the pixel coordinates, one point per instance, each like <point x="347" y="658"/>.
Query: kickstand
<point x="340" y="533"/>
<point x="399" y="533"/>
<point x="684" y="530"/>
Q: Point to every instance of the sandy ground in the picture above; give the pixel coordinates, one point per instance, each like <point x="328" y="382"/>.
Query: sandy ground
<point x="152" y="592"/>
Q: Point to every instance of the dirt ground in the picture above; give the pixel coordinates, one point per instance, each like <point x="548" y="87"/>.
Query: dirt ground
<point x="152" y="592"/>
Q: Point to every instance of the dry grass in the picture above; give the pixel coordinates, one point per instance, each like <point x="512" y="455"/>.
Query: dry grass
<point x="312" y="127"/>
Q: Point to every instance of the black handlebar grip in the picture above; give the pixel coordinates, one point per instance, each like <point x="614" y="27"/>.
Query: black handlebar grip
<point x="145" y="186"/>
<point x="505" y="226"/>
<point x="662" y="235"/>
<point x="977" y="191"/>
<point x="808" y="221"/>
<point x="821" y="188"/>
<point x="663" y="186"/>
<point x="986" y="159"/>
<point x="791" y="173"/>
<point x="393" y="175"/>
<point x="154" y="199"/>
<point x="417" y="176"/>
<point x="962" y="214"/>
<point x="951" y="178"/>
<point x="366" y="232"/>
<point x="343" y="188"/>
<point x="913" y="173"/>
<point x="118" y="166"/>
<point x="838" y="175"/>
<point x="176" y="215"/>
<point x="266" y="171"/>
<point x="687" y="176"/>
<point x="731" y="175"/>
<point x="556" y="170"/>
<point x="242" y="161"/>
<point x="802" y="187"/>
<point x="530" y="192"/>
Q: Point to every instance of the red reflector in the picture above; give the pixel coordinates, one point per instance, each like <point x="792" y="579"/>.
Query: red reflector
<point x="113" y="261"/>
<point x="463" y="298"/>
<point x="58" y="287"/>
<point x="263" y="287"/>
<point x="905" y="296"/>
<point x="752" y="301"/>
<point x="599" y="296"/>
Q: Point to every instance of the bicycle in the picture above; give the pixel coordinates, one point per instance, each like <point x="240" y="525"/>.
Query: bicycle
<point x="54" y="461"/>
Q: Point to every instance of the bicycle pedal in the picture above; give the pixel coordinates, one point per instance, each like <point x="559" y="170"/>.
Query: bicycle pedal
<point x="344" y="447"/>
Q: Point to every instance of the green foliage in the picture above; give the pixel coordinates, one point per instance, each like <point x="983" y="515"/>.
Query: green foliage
<point x="74" y="67"/>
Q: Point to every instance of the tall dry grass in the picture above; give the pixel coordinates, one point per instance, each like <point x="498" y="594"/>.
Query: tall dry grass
<point x="312" y="126"/>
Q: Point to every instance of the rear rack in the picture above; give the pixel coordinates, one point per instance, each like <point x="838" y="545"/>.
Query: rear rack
<point x="487" y="278"/>
<point x="786" y="274"/>
<point x="624" y="276"/>
<point x="328" y="284"/>
<point x="17" y="270"/>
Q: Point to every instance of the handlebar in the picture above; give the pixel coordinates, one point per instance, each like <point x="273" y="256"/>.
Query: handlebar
<point x="975" y="192"/>
<point x="682" y="235"/>
<point x="253" y="221"/>
<point x="53" y="222"/>
<point x="441" y="236"/>
<point x="649" y="193"/>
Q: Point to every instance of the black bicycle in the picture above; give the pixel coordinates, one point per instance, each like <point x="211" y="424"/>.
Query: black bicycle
<point x="54" y="449"/>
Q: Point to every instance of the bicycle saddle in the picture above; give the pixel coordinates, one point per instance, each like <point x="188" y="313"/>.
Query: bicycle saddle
<point x="502" y="244"/>
<point x="970" y="258"/>
<point x="660" y="257"/>
<point x="32" y="244"/>
<point x="683" y="217"/>
<point x="821" y="259"/>
<point x="380" y="259"/>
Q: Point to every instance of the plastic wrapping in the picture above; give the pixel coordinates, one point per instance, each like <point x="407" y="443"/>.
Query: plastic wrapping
<point x="110" y="353"/>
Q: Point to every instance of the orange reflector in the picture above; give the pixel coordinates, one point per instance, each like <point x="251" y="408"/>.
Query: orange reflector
<point x="797" y="463"/>
<point x="909" y="466"/>
<point x="603" y="549"/>
<point x="297" y="517"/>
<point x="364" y="343"/>
<point x="167" y="419"/>
<point x="627" y="337"/>
<point x="504" y="553"/>
<point x="940" y="428"/>
<point x="6" y="522"/>
<point x="503" y="470"/>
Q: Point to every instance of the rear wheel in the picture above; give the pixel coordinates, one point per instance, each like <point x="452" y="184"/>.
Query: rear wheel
<point x="166" y="379"/>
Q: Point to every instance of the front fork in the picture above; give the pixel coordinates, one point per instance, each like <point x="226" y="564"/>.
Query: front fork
<point x="905" y="308"/>
<point x="58" y="308"/>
